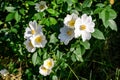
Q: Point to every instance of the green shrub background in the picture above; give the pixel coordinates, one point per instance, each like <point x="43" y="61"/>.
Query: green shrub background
<point x="99" y="58"/>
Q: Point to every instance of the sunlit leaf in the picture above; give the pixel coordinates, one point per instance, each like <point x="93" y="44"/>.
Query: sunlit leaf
<point x="53" y="12"/>
<point x="78" y="54"/>
<point x="86" y="44"/>
<point x="34" y="58"/>
<point x="30" y="2"/>
<point x="98" y="34"/>
<point x="104" y="15"/>
<point x="52" y="20"/>
<point x="54" y="77"/>
<point x="53" y="38"/>
<point x="112" y="25"/>
<point x="87" y="3"/>
<point x="10" y="16"/>
<point x="112" y="13"/>
<point x="10" y="9"/>
<point x="17" y="16"/>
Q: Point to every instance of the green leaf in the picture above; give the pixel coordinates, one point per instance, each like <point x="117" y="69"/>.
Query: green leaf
<point x="100" y="5"/>
<point x="52" y="20"/>
<point x="98" y="10"/>
<point x="82" y="50"/>
<point x="54" y="77"/>
<point x="34" y="58"/>
<point x="73" y="57"/>
<point x="87" y="3"/>
<point x="53" y="12"/>
<point x="78" y="54"/>
<point x="60" y="1"/>
<point x="17" y="17"/>
<point x="59" y="55"/>
<point x="53" y="38"/>
<point x="10" y="16"/>
<point x="1" y="22"/>
<point x="112" y="25"/>
<point x="14" y="30"/>
<point x="22" y="11"/>
<point x="104" y="15"/>
<point x="45" y="55"/>
<point x="112" y="13"/>
<point x="45" y="21"/>
<point x="86" y="44"/>
<point x="30" y="2"/>
<point x="38" y="16"/>
<point x="98" y="34"/>
<point x="10" y="9"/>
<point x="107" y="14"/>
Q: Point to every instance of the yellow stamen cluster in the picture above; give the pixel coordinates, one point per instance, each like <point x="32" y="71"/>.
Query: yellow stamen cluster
<point x="71" y="23"/>
<point x="38" y="39"/>
<point x="69" y="32"/>
<point x="82" y="27"/>
<point x="41" y="6"/>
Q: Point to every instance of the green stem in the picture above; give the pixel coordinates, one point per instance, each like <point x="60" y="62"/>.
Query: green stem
<point x="73" y="72"/>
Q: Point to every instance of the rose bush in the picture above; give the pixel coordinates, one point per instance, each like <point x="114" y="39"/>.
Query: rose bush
<point x="54" y="39"/>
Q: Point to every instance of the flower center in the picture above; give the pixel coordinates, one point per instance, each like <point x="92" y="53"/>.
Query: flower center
<point x="82" y="27"/>
<point x="49" y="64"/>
<point x="41" y="6"/>
<point x="44" y="69"/>
<point x="69" y="32"/>
<point x="71" y="23"/>
<point x="38" y="39"/>
<point x="33" y="31"/>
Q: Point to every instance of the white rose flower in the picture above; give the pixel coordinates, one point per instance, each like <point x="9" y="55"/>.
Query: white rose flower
<point x="4" y="72"/>
<point x="32" y="29"/>
<point x="66" y="34"/>
<point x="48" y="63"/>
<point x="44" y="71"/>
<point x="69" y="20"/>
<point x="84" y="26"/>
<point x="41" y="6"/>
<point x="38" y="40"/>
<point x="29" y="46"/>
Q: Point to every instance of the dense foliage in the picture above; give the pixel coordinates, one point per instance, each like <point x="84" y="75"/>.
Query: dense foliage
<point x="83" y="52"/>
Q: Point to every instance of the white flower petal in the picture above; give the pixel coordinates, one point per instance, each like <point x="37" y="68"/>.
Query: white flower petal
<point x="34" y="29"/>
<point x="69" y="20"/>
<point x="74" y="16"/>
<point x="86" y="36"/>
<point x="44" y="71"/>
<point x="27" y="33"/>
<point x="89" y="19"/>
<point x="84" y="26"/>
<point x="90" y="27"/>
<point x="66" y="34"/>
<point x="38" y="40"/>
<point x="77" y="33"/>
<point x="29" y="46"/>
<point x="41" y="6"/>
<point x="33" y="25"/>
<point x="84" y="18"/>
<point x="4" y="72"/>
<point x="48" y="63"/>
